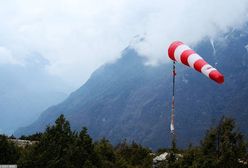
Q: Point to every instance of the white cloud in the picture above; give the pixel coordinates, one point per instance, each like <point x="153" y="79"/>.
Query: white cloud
<point x="77" y="36"/>
<point x="190" y="21"/>
<point x="6" y="56"/>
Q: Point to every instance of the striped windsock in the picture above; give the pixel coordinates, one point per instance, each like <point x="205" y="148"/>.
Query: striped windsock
<point x="181" y="53"/>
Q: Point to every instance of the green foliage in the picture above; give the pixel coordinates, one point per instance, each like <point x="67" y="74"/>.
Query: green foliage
<point x="189" y="157"/>
<point x="134" y="155"/>
<point x="171" y="160"/>
<point x="82" y="151"/>
<point x="58" y="146"/>
<point x="9" y="152"/>
<point x="223" y="146"/>
<point x="33" y="137"/>
<point x="124" y="155"/>
<point x="106" y="153"/>
<point x="162" y="150"/>
<point x="231" y="145"/>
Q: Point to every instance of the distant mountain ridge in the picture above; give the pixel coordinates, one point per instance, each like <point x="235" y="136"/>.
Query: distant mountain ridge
<point x="129" y="100"/>
<point x="26" y="91"/>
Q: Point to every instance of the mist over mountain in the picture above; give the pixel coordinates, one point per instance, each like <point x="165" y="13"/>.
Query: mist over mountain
<point x="26" y="91"/>
<point x="129" y="100"/>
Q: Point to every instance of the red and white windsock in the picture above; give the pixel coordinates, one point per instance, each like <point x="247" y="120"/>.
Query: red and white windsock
<point x="181" y="53"/>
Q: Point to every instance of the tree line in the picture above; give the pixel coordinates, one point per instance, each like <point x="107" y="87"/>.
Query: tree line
<point x="60" y="147"/>
<point x="223" y="146"/>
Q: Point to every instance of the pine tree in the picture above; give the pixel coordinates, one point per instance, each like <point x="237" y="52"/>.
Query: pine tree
<point x="82" y="151"/>
<point x="135" y="155"/>
<point x="106" y="153"/>
<point x="9" y="152"/>
<point x="231" y="145"/>
<point x="52" y="149"/>
<point x="223" y="146"/>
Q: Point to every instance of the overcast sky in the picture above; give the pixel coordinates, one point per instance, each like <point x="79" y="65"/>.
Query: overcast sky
<point x="77" y="36"/>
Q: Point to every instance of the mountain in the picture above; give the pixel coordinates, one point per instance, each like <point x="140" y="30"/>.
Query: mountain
<point x="26" y="91"/>
<point x="130" y="100"/>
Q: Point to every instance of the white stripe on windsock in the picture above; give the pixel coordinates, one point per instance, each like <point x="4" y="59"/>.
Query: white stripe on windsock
<point x="206" y="69"/>
<point x="192" y="59"/>
<point x="179" y="50"/>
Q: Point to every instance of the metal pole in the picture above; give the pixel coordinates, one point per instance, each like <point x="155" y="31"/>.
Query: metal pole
<point x="172" y="126"/>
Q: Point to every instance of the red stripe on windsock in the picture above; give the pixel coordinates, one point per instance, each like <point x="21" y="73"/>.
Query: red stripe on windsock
<point x="172" y="49"/>
<point x="196" y="61"/>
<point x="216" y="76"/>
<point x="199" y="64"/>
<point x="185" y="55"/>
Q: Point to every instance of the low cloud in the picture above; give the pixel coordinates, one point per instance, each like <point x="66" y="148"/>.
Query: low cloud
<point x="78" y="36"/>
